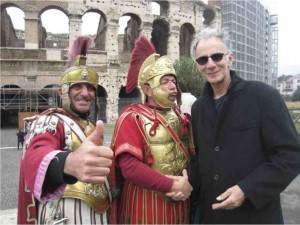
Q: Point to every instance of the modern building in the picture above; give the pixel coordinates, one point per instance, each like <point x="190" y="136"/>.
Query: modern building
<point x="288" y="85"/>
<point x="254" y="35"/>
<point x="274" y="51"/>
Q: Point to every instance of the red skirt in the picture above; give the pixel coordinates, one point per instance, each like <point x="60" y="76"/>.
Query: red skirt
<point x="145" y="206"/>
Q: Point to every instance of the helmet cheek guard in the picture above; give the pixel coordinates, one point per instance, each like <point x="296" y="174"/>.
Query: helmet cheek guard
<point x="152" y="70"/>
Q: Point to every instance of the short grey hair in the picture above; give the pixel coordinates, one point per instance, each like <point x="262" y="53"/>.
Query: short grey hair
<point x="209" y="33"/>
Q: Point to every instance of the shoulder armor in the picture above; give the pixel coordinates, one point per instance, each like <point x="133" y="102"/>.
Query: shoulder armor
<point x="40" y="124"/>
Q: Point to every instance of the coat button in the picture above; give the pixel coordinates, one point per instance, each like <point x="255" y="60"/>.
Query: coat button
<point x="217" y="148"/>
<point x="216" y="177"/>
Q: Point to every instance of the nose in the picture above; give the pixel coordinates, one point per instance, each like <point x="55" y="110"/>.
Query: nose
<point x="172" y="85"/>
<point x="84" y="90"/>
<point x="210" y="63"/>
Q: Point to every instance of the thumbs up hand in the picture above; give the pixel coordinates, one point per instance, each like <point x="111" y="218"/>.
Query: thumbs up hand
<point x="97" y="135"/>
<point x="90" y="163"/>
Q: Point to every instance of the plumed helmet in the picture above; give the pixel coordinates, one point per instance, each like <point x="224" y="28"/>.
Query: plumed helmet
<point x="148" y="67"/>
<point x="77" y="72"/>
<point x="155" y="67"/>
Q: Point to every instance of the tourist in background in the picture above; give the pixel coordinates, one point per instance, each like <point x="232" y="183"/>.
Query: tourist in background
<point x="21" y="136"/>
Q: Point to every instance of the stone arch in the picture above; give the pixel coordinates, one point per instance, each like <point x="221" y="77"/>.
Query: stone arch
<point x="187" y="33"/>
<point x="160" y="35"/>
<point x="9" y="92"/>
<point x="48" y="96"/>
<point x="164" y="7"/>
<point x="52" y="6"/>
<point x="99" y="38"/>
<point x="128" y="98"/>
<point x="52" y="40"/>
<point x="131" y="32"/>
<point x="10" y="37"/>
<point x="10" y="95"/>
<point x="112" y="67"/>
<point x="154" y="5"/>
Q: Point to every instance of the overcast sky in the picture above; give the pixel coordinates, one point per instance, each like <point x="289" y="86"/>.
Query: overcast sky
<point x="289" y="35"/>
<point x="288" y="42"/>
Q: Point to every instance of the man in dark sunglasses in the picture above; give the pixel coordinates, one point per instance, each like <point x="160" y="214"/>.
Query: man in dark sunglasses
<point x="247" y="147"/>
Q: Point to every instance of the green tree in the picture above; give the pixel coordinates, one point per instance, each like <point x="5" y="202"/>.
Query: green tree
<point x="188" y="76"/>
<point x="296" y="95"/>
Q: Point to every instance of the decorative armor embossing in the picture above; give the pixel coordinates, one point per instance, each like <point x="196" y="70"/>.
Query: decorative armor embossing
<point x="169" y="159"/>
<point x="96" y="190"/>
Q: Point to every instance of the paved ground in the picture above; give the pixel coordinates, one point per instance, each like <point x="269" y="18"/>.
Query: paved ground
<point x="10" y="161"/>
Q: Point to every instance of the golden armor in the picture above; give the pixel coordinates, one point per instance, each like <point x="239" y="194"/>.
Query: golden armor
<point x="95" y="195"/>
<point x="169" y="159"/>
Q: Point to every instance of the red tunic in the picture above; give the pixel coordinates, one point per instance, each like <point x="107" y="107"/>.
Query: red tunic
<point x="142" y="199"/>
<point x="41" y="150"/>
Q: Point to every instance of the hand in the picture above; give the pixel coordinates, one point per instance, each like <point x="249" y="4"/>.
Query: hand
<point x="179" y="196"/>
<point x="181" y="188"/>
<point x="232" y="198"/>
<point x="90" y="163"/>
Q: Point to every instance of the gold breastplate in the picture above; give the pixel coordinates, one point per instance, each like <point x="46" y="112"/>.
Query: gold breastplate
<point x="169" y="159"/>
<point x="95" y="195"/>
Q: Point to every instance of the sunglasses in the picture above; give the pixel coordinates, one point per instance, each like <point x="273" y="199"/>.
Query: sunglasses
<point x="217" y="57"/>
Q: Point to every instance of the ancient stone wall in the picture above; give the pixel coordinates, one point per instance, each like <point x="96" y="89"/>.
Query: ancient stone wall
<point x="39" y="64"/>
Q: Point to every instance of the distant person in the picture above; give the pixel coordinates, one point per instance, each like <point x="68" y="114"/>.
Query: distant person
<point x="248" y="150"/>
<point x="63" y="170"/>
<point x="21" y="136"/>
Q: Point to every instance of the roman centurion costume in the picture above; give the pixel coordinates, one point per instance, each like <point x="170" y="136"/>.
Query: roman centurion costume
<point x="158" y="137"/>
<point x="48" y="196"/>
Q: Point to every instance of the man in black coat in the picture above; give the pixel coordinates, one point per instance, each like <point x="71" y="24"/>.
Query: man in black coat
<point x="248" y="150"/>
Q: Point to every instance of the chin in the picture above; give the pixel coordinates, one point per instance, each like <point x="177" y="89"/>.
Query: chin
<point x="82" y="109"/>
<point x="215" y="80"/>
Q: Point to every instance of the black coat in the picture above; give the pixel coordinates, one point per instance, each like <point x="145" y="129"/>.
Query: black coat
<point x="252" y="143"/>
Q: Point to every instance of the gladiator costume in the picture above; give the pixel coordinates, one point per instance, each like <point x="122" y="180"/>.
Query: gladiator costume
<point x="56" y="131"/>
<point x="160" y="138"/>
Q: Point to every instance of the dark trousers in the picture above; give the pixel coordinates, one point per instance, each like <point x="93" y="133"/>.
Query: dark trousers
<point x="19" y="144"/>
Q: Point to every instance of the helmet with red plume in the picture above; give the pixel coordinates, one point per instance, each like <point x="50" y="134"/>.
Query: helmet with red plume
<point x="77" y="72"/>
<point x="147" y="66"/>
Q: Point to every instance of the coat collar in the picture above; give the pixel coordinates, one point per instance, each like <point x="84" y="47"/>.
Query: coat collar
<point x="236" y="85"/>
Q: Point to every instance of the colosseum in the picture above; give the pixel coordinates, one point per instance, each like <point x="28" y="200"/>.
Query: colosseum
<point x="31" y="64"/>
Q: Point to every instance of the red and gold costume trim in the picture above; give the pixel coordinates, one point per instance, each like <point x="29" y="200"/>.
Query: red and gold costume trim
<point x="140" y="205"/>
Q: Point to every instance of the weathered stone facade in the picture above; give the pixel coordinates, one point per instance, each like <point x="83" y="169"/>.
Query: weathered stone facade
<point x="37" y="66"/>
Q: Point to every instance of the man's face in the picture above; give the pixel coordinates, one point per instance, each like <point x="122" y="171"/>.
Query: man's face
<point x="82" y="96"/>
<point x="164" y="94"/>
<point x="215" y="67"/>
<point x="168" y="84"/>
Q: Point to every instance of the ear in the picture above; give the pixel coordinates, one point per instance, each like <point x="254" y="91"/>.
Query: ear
<point x="59" y="92"/>
<point x="230" y="59"/>
<point x="147" y="90"/>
